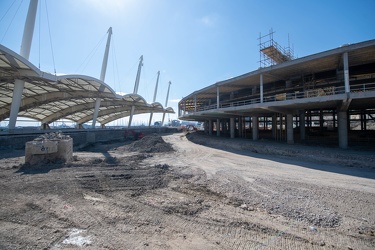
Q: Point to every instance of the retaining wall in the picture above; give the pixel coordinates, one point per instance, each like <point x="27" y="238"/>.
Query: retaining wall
<point x="17" y="139"/>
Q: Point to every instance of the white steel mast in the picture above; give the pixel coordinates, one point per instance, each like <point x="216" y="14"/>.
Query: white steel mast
<point x="102" y="77"/>
<point x="135" y="91"/>
<point x="166" y="102"/>
<point x="25" y="52"/>
<point x="153" y="100"/>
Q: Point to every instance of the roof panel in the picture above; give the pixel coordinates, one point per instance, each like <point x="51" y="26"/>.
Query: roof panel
<point x="47" y="97"/>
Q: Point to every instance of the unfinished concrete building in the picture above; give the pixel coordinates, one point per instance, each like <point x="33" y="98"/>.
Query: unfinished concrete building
<point x="328" y="97"/>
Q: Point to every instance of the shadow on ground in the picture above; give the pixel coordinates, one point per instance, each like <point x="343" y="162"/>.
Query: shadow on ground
<point x="331" y="160"/>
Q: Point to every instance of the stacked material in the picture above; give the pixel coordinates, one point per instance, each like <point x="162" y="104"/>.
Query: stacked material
<point x="49" y="148"/>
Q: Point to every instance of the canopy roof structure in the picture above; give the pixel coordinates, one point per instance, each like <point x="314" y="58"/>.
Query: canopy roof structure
<point x="47" y="97"/>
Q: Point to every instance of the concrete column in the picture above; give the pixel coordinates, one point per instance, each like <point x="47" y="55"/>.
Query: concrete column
<point x="274" y="126"/>
<point x="232" y="124"/>
<point x="218" y="127"/>
<point x="224" y="126"/>
<point x="195" y="103"/>
<point x="342" y="119"/>
<point x="255" y="127"/>
<point x="261" y="88"/>
<point x="346" y="72"/>
<point x="210" y="127"/>
<point x="302" y="124"/>
<point x="217" y="97"/>
<point x="240" y="126"/>
<point x="289" y="129"/>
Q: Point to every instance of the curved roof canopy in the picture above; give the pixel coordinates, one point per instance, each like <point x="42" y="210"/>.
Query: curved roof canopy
<point x="47" y="97"/>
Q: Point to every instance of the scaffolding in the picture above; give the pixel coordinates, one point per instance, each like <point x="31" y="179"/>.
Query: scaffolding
<point x="271" y="53"/>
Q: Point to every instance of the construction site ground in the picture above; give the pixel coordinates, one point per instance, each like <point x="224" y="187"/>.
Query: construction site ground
<point x="190" y="191"/>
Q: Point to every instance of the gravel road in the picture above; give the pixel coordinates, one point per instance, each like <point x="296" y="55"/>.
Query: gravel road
<point x="190" y="192"/>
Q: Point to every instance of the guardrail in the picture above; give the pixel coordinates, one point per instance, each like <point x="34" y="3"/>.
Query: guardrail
<point x="326" y="91"/>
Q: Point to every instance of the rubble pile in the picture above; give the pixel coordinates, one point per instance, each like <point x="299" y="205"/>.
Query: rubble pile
<point x="52" y="136"/>
<point x="49" y="148"/>
<point x="153" y="143"/>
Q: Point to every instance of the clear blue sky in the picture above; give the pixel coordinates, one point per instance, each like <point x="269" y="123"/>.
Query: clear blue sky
<point x="194" y="43"/>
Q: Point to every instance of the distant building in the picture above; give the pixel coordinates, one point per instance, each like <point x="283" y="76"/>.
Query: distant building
<point x="328" y="97"/>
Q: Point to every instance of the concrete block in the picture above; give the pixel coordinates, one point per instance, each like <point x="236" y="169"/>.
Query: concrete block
<point x="62" y="151"/>
<point x="41" y="147"/>
<point x="65" y="150"/>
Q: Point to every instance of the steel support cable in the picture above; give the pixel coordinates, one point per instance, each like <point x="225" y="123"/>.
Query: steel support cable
<point x="11" y="20"/>
<point x="131" y="69"/>
<point x="90" y="55"/>
<point x="6" y="12"/>
<point x="50" y="38"/>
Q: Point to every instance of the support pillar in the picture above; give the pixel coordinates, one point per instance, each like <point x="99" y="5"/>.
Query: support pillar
<point x="274" y="126"/>
<point x="166" y="102"/>
<point x="195" y="103"/>
<point x="218" y="127"/>
<point x="232" y="130"/>
<point x="289" y="129"/>
<point x="240" y="126"/>
<point x="135" y="91"/>
<point x="217" y="97"/>
<point x="224" y="126"/>
<point x="154" y="99"/>
<point x="25" y="52"/>
<point x="255" y="127"/>
<point x="210" y="128"/>
<point x="302" y="124"/>
<point x="102" y="77"/>
<point x="346" y="72"/>
<point x="342" y="119"/>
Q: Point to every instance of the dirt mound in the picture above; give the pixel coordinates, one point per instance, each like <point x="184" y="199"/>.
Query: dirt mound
<point x="153" y="143"/>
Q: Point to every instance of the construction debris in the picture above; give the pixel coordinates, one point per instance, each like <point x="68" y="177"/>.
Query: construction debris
<point x="153" y="143"/>
<point x="52" y="147"/>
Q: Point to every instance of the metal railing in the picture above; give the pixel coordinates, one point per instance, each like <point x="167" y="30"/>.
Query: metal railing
<point x="325" y="91"/>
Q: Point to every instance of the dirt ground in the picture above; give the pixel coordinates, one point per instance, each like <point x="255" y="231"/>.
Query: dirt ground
<point x="190" y="191"/>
